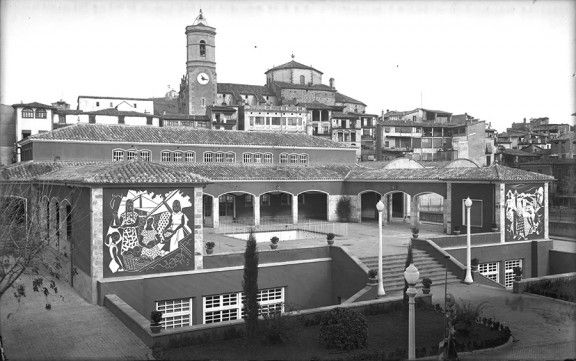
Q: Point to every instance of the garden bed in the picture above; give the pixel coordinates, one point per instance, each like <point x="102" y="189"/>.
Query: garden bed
<point x="387" y="339"/>
<point x="562" y="289"/>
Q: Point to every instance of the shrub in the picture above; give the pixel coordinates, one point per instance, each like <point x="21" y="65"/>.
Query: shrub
<point x="517" y="271"/>
<point x="274" y="240"/>
<point x="276" y="328"/>
<point x="372" y="273"/>
<point x="343" y="329"/>
<point x="344" y="209"/>
<point x="426" y="282"/>
<point x="156" y="317"/>
<point x="330" y="236"/>
<point x="465" y="316"/>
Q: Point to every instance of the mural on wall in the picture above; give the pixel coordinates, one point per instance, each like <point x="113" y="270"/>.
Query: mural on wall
<point x="524" y="212"/>
<point x="147" y="231"/>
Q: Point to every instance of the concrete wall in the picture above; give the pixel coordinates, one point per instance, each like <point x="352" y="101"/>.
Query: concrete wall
<point x="484" y="192"/>
<point x="562" y="262"/>
<point x="7" y="133"/>
<point x="562" y="229"/>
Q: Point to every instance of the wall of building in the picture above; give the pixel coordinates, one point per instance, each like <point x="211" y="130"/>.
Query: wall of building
<point x="260" y="187"/>
<point x="32" y="125"/>
<point x="307" y="96"/>
<point x="483" y="192"/>
<point x="7" y="133"/>
<point x="562" y="262"/>
<point x="89" y="104"/>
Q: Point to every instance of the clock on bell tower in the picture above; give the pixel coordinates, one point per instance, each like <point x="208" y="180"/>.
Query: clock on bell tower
<point x="200" y="65"/>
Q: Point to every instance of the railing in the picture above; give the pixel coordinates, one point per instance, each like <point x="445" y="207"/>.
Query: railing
<point x="282" y="223"/>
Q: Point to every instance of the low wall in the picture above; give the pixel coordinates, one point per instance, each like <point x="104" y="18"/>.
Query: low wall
<point x="562" y="229"/>
<point x="266" y="256"/>
<point x="433" y="217"/>
<point x="562" y="262"/>
<point x="460" y="240"/>
<point x="526" y="282"/>
<point x="349" y="274"/>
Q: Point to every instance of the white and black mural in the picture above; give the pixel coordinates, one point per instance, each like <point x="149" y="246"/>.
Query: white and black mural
<point x="524" y="212"/>
<point x="148" y="231"/>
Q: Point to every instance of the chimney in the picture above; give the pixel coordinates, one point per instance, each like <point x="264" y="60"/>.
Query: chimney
<point x="524" y="120"/>
<point x="331" y="83"/>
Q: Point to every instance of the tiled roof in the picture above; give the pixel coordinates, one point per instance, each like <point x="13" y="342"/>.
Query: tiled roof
<point x="292" y="65"/>
<point x="116" y="112"/>
<point x="409" y="123"/>
<point x="339" y="115"/>
<point x="33" y="105"/>
<point x="129" y="172"/>
<point x="520" y="153"/>
<point x="119" y="98"/>
<point x="323" y="87"/>
<point x="185" y="117"/>
<point x="237" y="89"/>
<point x="341" y="98"/>
<point x="182" y="135"/>
<point x="68" y="111"/>
<point x="318" y="105"/>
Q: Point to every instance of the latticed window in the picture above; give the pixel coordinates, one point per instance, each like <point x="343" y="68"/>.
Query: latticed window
<point x="230" y="306"/>
<point x="166" y="156"/>
<point x="175" y="313"/>
<point x="258" y="158"/>
<point x="27" y="113"/>
<point x="145" y="155"/>
<point x="219" y="157"/>
<point x="177" y="156"/>
<point x="208" y="157"/>
<point x="190" y="157"/>
<point x="268" y="158"/>
<point x="41" y="113"/>
<point x="490" y="270"/>
<point x="293" y="158"/>
<point x="509" y="271"/>
<point x="247" y="157"/>
<point x="117" y="155"/>
<point x="304" y="158"/>
<point x="131" y="154"/>
<point x="230" y="157"/>
<point x="283" y="158"/>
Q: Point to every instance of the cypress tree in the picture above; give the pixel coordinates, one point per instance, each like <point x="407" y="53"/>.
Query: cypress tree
<point x="409" y="260"/>
<point x="250" y="288"/>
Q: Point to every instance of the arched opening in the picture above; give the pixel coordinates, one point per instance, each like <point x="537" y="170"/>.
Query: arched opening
<point x="202" y="48"/>
<point x="275" y="207"/>
<point x="324" y="115"/>
<point x="207" y="208"/>
<point x="396" y="207"/>
<point x="235" y="207"/>
<point x="312" y="205"/>
<point x="368" y="201"/>
<point x="431" y="208"/>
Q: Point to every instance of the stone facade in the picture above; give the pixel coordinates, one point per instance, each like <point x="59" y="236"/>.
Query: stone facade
<point x="97" y="223"/>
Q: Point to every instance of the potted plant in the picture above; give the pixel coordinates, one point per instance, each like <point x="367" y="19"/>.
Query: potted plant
<point x="474" y="262"/>
<point x="494" y="227"/>
<point x="274" y="242"/>
<point x="155" y="317"/>
<point x="426" y="283"/>
<point x="415" y="231"/>
<point x="210" y="247"/>
<point x="456" y="230"/>
<point x="330" y="238"/>
<point x="372" y="276"/>
<point x="517" y="273"/>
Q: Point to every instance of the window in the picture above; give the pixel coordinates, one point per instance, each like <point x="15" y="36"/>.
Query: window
<point x="230" y="157"/>
<point x="265" y="200"/>
<point x="145" y="155"/>
<point x="247" y="158"/>
<point x="285" y="199"/>
<point x="352" y="137"/>
<point x="92" y="119"/>
<point x="175" y="313"/>
<point x="202" y="48"/>
<point x="117" y="155"/>
<point x="258" y="158"/>
<point x="190" y="157"/>
<point x="61" y="118"/>
<point x="97" y="104"/>
<point x="177" y="157"/>
<point x="27" y="113"/>
<point x="221" y="308"/>
<point x="148" y="120"/>
<point x="476" y="214"/>
<point x="121" y="119"/>
<point x="490" y="270"/>
<point x="302" y="80"/>
<point x="135" y="105"/>
<point x="111" y="106"/>
<point x="283" y="158"/>
<point x="269" y="301"/>
<point x="208" y="157"/>
<point x="166" y="156"/>
<point x="275" y="120"/>
<point x="131" y="154"/>
<point x="509" y="271"/>
<point x="219" y="157"/>
<point x="41" y="113"/>
<point x="268" y="158"/>
<point x="203" y="102"/>
<point x="293" y="158"/>
<point x="26" y="134"/>
<point x="304" y="158"/>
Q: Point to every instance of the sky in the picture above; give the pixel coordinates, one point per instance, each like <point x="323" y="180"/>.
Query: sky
<point x="500" y="61"/>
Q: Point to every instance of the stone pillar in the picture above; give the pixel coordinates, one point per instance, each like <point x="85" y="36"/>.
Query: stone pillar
<point x="407" y="200"/>
<point x="359" y="208"/>
<point x="215" y="212"/>
<point x="447" y="205"/>
<point x="295" y="209"/>
<point x="415" y="211"/>
<point x="389" y="208"/>
<point x="332" y="204"/>
<point x="256" y="205"/>
<point x="500" y="190"/>
<point x="383" y="199"/>
<point x="97" y="240"/>
<point x="546" y="213"/>
<point x="198" y="228"/>
<point x="355" y="210"/>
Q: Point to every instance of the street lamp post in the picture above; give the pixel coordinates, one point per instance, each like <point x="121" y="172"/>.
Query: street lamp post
<point x="380" y="208"/>
<point x="411" y="275"/>
<point x="468" y="279"/>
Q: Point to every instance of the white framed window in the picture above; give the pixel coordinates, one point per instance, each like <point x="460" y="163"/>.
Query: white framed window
<point x="258" y="158"/>
<point x="219" y="157"/>
<point x="230" y="306"/>
<point x="190" y="157"/>
<point x="283" y="158"/>
<point x="118" y="155"/>
<point x="175" y="313"/>
<point x="145" y="155"/>
<point x="268" y="158"/>
<point x="304" y="158"/>
<point x="270" y="300"/>
<point x="131" y="154"/>
<point x="177" y="157"/>
<point x="247" y="158"/>
<point x="509" y="271"/>
<point x="27" y="113"/>
<point x="166" y="156"/>
<point x="208" y="157"/>
<point x="293" y="158"/>
<point x="490" y="270"/>
<point x="476" y="213"/>
<point x="265" y="200"/>
<point x="230" y="157"/>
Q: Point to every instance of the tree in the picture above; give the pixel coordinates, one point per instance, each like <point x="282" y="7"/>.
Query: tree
<point x="409" y="261"/>
<point x="250" y="287"/>
<point x="344" y="209"/>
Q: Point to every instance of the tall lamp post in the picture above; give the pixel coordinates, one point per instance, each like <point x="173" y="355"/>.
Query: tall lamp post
<point x="411" y="275"/>
<point x="468" y="278"/>
<point x="380" y="208"/>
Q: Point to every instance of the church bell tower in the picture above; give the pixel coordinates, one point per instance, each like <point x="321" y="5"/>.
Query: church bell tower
<point x="200" y="65"/>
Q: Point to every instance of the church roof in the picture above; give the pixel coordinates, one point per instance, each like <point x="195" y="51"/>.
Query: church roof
<point x="83" y="132"/>
<point x="292" y="65"/>
<point x="341" y="98"/>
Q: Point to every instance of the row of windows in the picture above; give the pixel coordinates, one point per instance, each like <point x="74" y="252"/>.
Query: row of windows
<point x="230" y="306"/>
<point x="30" y="113"/>
<point x="209" y="157"/>
<point x="492" y="271"/>
<point x="285" y="121"/>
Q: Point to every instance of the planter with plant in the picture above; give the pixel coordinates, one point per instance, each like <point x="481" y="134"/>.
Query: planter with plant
<point x="456" y="230"/>
<point x="210" y="247"/>
<point x="155" y="319"/>
<point x="426" y="283"/>
<point x="474" y="264"/>
<point x="330" y="238"/>
<point x="517" y="278"/>
<point x="494" y="227"/>
<point x="372" y="277"/>
<point x="274" y="242"/>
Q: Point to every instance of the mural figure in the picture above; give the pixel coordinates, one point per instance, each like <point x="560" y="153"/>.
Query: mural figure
<point x="524" y="212"/>
<point x="145" y="233"/>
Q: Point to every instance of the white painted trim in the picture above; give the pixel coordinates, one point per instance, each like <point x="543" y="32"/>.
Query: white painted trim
<point x="315" y="190"/>
<point x="277" y="190"/>
<point x="369" y="190"/>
